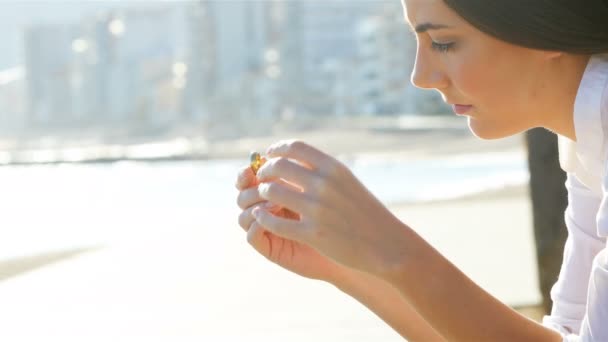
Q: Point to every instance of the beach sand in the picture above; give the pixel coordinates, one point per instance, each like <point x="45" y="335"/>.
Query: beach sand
<point x="496" y="228"/>
<point x="175" y="288"/>
<point x="194" y="278"/>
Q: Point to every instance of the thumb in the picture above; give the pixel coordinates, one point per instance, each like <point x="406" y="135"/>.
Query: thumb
<point x="246" y="179"/>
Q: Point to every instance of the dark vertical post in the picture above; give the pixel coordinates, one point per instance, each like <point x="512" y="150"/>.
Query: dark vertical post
<point x="549" y="201"/>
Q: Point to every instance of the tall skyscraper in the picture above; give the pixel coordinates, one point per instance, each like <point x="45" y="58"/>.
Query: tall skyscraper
<point x="386" y="57"/>
<point x="201" y="59"/>
<point x="318" y="36"/>
<point x="48" y="62"/>
<point x="12" y="101"/>
<point x="241" y="31"/>
<point x="136" y="51"/>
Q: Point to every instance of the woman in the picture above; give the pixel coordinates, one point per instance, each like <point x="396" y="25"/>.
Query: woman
<point x="508" y="66"/>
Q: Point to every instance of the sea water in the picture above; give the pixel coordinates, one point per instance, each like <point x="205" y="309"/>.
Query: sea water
<point x="71" y="205"/>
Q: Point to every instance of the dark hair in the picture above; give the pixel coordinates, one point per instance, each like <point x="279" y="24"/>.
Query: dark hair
<point x="572" y="26"/>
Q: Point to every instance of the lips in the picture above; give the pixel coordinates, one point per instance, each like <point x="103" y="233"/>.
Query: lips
<point x="461" y="109"/>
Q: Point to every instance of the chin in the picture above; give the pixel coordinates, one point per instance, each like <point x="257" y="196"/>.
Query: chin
<point x="490" y="131"/>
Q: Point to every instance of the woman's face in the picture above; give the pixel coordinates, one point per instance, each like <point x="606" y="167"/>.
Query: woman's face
<point x="494" y="83"/>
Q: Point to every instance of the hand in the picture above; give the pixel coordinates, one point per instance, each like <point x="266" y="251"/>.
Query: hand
<point x="338" y="216"/>
<point x="292" y="255"/>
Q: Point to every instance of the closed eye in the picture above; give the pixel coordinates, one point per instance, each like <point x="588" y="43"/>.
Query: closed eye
<point x="443" y="48"/>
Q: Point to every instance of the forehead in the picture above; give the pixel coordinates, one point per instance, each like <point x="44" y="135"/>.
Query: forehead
<point x="419" y="11"/>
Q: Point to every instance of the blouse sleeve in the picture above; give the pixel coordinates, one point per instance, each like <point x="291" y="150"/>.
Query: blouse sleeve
<point x="595" y="323"/>
<point x="573" y="287"/>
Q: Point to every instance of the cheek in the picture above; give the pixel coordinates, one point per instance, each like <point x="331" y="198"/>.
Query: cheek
<point x="477" y="82"/>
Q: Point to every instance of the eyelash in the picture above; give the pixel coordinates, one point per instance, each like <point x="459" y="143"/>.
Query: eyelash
<point x="442" y="48"/>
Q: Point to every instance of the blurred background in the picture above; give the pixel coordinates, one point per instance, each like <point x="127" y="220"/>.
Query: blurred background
<point x="123" y="125"/>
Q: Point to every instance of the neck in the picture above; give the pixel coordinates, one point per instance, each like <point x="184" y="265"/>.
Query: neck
<point x="558" y="105"/>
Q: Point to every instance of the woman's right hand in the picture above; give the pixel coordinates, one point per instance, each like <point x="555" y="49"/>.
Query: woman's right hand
<point x="291" y="255"/>
<point x="302" y="259"/>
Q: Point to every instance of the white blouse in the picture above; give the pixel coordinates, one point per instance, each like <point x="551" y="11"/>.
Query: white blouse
<point x="580" y="295"/>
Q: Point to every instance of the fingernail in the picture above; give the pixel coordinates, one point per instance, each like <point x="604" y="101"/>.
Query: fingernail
<point x="241" y="182"/>
<point x="263" y="189"/>
<point x="260" y="173"/>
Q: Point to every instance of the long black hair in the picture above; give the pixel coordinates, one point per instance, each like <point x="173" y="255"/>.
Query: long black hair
<point x="572" y="26"/>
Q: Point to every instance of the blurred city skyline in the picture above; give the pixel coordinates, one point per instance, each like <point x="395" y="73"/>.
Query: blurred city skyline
<point x="217" y="69"/>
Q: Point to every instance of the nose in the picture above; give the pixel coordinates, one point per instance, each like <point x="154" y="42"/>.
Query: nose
<point x="427" y="73"/>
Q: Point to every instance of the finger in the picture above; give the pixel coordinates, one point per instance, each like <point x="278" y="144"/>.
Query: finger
<point x="292" y="172"/>
<point x="249" y="197"/>
<point x="285" y="228"/>
<point x="286" y="197"/>
<point x="246" y="178"/>
<point x="256" y="238"/>
<point x="300" y="151"/>
<point x="292" y="186"/>
<point x="246" y="216"/>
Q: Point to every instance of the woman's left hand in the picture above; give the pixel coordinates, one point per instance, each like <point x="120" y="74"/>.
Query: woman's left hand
<point x="338" y="216"/>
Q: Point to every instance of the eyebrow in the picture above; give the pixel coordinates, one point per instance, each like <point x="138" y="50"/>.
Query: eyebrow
<point x="429" y="26"/>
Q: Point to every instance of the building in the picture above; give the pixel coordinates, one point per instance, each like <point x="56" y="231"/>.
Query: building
<point x="136" y="52"/>
<point x="244" y="64"/>
<point x="387" y="52"/>
<point x="121" y="68"/>
<point x="319" y="40"/>
<point x="12" y="101"/>
<point x="241" y="35"/>
<point x="48" y="63"/>
<point x="200" y="60"/>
